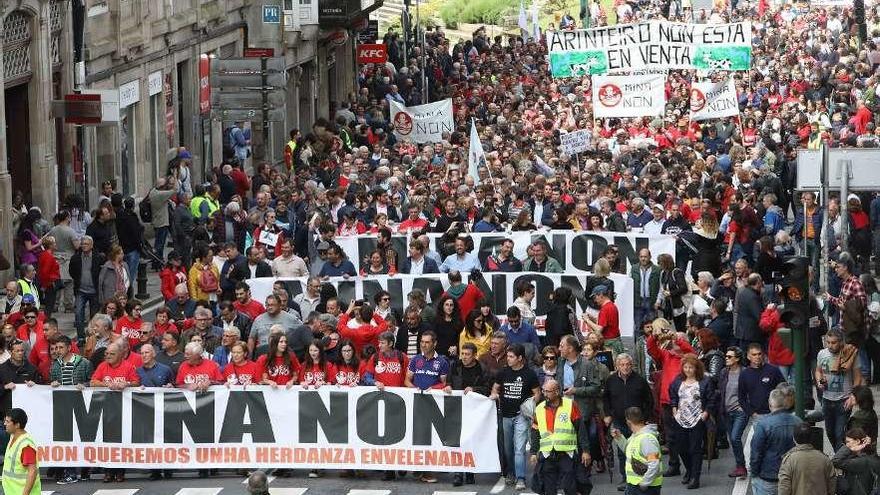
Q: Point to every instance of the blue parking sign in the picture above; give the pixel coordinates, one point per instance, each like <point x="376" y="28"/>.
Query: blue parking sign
<point x="271" y="14"/>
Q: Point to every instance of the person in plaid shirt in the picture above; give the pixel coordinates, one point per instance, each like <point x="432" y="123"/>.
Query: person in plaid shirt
<point x="853" y="306"/>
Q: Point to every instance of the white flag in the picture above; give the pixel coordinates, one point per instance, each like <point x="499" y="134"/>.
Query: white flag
<point x="476" y="155"/>
<point x="536" y="26"/>
<point x="523" y="21"/>
<point x="713" y="100"/>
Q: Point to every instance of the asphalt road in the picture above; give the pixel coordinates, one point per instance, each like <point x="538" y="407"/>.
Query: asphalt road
<point x="187" y="483"/>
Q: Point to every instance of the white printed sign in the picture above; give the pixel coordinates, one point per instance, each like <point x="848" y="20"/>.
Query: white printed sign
<point x="129" y="93"/>
<point x="154" y="83"/>
<point x="629" y="96"/>
<point x="423" y="123"/>
<point x="710" y="100"/>
<point x="575" y="142"/>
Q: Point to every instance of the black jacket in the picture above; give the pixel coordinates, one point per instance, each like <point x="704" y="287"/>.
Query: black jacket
<point x="620" y="395"/>
<point x="747" y="309"/>
<point x="461" y="378"/>
<point x="101" y="233"/>
<point x="10" y="373"/>
<point x="403" y="332"/>
<point x="722" y="327"/>
<point x="129" y="230"/>
<point x="707" y="393"/>
<point x="76" y="268"/>
<point x="243" y="272"/>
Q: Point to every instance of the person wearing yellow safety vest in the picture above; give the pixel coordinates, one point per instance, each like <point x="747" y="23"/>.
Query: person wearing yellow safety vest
<point x="558" y="434"/>
<point x="21" y="473"/>
<point x="290" y="149"/>
<point x="643" y="465"/>
<point x="205" y="205"/>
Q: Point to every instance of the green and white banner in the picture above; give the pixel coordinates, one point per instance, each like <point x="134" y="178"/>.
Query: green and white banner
<point x="655" y="45"/>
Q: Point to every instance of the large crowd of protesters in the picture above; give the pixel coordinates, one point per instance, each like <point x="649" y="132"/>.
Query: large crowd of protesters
<point x="708" y="368"/>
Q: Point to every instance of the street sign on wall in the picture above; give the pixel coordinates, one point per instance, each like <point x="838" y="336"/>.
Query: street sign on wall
<point x="271" y="14"/>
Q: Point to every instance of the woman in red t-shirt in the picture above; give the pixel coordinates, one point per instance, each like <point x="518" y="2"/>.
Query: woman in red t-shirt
<point x="348" y="366"/>
<point x="317" y="370"/>
<point x="163" y="323"/>
<point x="241" y="370"/>
<point x="131" y="324"/>
<point x="282" y="368"/>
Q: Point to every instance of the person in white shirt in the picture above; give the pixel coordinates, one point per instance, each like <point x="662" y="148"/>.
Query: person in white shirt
<point x="289" y="264"/>
<point x="656" y="224"/>
<point x="310" y="299"/>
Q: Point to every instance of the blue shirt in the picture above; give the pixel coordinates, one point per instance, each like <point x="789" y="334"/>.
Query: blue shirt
<point x="344" y="268"/>
<point x="427" y="372"/>
<point x="523" y="334"/>
<point x="157" y="376"/>
<point x="567" y="375"/>
<point x="464" y="265"/>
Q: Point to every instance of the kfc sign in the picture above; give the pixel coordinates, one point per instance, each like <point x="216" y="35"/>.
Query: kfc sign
<point x="374" y="53"/>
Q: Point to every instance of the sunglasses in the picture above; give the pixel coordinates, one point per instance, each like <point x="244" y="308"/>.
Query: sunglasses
<point x="549" y="358"/>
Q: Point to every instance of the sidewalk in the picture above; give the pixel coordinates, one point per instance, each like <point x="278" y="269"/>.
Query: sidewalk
<point x="152" y="302"/>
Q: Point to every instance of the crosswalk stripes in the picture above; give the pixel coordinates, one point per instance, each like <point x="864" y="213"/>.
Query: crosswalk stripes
<point x="369" y="492"/>
<point x="116" y="491"/>
<point x="288" y="491"/>
<point x="454" y="493"/>
<point x="199" y="491"/>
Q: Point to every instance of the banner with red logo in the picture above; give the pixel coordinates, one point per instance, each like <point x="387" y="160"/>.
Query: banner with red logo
<point x="204" y="84"/>
<point x="713" y="100"/>
<point x="422" y="123"/>
<point x="372" y="53"/>
<point x="629" y="96"/>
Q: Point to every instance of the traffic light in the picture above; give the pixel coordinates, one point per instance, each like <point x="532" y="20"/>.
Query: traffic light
<point x="794" y="311"/>
<point x="794" y="297"/>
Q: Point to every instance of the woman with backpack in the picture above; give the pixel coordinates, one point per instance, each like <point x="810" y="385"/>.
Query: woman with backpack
<point x="673" y="288"/>
<point x="204" y="277"/>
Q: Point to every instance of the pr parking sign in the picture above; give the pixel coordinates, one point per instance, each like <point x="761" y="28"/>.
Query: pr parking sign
<point x="271" y="14"/>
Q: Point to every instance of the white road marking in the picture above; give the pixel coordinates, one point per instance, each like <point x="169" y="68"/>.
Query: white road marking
<point x="288" y="491"/>
<point x="199" y="491"/>
<point x="369" y="492"/>
<point x="455" y="493"/>
<point x="116" y="491"/>
<point x="499" y="485"/>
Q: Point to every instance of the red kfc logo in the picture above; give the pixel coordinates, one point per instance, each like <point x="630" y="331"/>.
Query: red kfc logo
<point x="372" y="53"/>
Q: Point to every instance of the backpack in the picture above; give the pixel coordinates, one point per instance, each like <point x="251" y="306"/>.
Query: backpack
<point x="208" y="281"/>
<point x="145" y="209"/>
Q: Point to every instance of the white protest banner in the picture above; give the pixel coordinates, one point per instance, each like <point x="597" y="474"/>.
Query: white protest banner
<point x="498" y="289"/>
<point x="575" y="142"/>
<point x="576" y="252"/>
<point x="422" y="123"/>
<point x="711" y="100"/>
<point x="650" y="45"/>
<point x="329" y="428"/>
<point x="629" y="96"/>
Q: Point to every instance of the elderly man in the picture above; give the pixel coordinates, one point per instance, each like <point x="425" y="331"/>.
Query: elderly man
<point x="204" y="326"/>
<point x="182" y="306"/>
<point x="258" y="483"/>
<point x="309" y="300"/>
<point x="260" y="329"/>
<point x="623" y="390"/>
<point x="117" y="374"/>
<point x="805" y="469"/>
<point x="153" y="373"/>
<point x="773" y="437"/>
<point x="747" y="309"/>
<point x="85" y="266"/>
<point x="223" y="352"/>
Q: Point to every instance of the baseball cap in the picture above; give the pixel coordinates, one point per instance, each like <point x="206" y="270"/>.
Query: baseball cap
<point x="599" y="289"/>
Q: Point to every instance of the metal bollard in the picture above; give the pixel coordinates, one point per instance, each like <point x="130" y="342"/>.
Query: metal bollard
<point x="142" y="293"/>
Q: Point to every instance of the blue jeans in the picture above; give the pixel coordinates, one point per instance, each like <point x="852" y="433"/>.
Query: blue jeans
<point x="161" y="240"/>
<point x="836" y="417"/>
<point x="764" y="487"/>
<point x="865" y="363"/>
<point x="133" y="260"/>
<point x="736" y="422"/>
<point x="787" y="372"/>
<point x="80" y="319"/>
<point x="516" y="434"/>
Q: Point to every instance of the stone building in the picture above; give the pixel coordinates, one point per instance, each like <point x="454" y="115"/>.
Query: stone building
<point x="148" y="60"/>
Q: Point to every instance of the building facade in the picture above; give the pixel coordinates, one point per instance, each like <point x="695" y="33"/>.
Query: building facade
<point x="149" y="61"/>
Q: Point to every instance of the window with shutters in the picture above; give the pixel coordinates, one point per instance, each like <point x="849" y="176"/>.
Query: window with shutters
<point x="17" y="34"/>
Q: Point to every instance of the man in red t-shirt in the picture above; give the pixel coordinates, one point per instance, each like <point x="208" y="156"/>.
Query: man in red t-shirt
<point x="41" y="353"/>
<point x="115" y="373"/>
<point x="608" y="321"/>
<point x="197" y="373"/>
<point x="245" y="304"/>
<point x="386" y="368"/>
